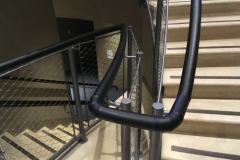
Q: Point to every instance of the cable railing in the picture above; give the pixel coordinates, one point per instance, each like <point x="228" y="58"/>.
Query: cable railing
<point x="135" y="90"/>
<point x="43" y="105"/>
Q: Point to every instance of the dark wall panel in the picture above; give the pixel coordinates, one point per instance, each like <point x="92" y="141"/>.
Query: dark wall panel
<point x="69" y="28"/>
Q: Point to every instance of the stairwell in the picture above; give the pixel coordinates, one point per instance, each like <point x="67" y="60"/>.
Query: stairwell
<point x="36" y="145"/>
<point x="211" y="126"/>
<point x="210" y="129"/>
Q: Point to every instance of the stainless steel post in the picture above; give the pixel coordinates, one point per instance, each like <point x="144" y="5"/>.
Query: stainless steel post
<point x="83" y="81"/>
<point x="156" y="49"/>
<point x="126" y="132"/>
<point x="140" y="56"/>
<point x="155" y="138"/>
<point x="164" y="54"/>
<point x="71" y="55"/>
<point x="129" y="70"/>
<point x="151" y="24"/>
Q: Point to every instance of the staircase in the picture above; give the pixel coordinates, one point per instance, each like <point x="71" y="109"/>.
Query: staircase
<point x="211" y="125"/>
<point x="36" y="145"/>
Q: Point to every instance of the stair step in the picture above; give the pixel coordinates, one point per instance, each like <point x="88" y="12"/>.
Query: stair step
<point x="26" y="146"/>
<point x="55" y="134"/>
<point x="181" y="9"/>
<point x="209" y="31"/>
<point x="212" y="53"/>
<point x="176" y="146"/>
<point x="68" y="130"/>
<point x="210" y="82"/>
<point x="205" y="20"/>
<point x="50" y="142"/>
<point x="211" y="117"/>
<point x="11" y="152"/>
<point x="34" y="144"/>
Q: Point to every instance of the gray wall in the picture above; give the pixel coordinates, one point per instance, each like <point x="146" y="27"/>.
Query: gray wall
<point x="107" y="11"/>
<point x="26" y="26"/>
<point x="102" y="45"/>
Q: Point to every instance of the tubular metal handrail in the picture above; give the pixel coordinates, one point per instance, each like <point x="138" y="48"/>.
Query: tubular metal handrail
<point x="176" y="115"/>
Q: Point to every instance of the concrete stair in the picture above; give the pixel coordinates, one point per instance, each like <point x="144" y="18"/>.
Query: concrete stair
<point x="180" y="9"/>
<point x="211" y="82"/>
<point x="210" y="126"/>
<point x="211" y="53"/>
<point x="178" y="146"/>
<point x="13" y="152"/>
<point x="209" y="30"/>
<point x="40" y="145"/>
<point x="210" y="117"/>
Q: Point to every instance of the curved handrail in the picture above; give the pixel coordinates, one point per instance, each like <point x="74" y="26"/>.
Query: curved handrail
<point x="26" y="58"/>
<point x="176" y="115"/>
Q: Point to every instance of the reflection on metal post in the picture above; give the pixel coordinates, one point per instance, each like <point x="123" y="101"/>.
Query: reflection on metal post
<point x="139" y="96"/>
<point x="129" y="70"/>
<point x="125" y="132"/>
<point x="71" y="55"/>
<point x="155" y="140"/>
<point x="157" y="46"/>
<point x="151" y="24"/>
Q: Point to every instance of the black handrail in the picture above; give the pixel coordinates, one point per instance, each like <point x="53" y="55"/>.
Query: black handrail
<point x="26" y="58"/>
<point x="176" y="115"/>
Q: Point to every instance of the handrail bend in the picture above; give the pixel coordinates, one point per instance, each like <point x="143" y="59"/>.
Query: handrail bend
<point x="176" y="114"/>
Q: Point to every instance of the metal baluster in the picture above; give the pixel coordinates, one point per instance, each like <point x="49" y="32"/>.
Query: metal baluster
<point x="125" y="132"/>
<point x="83" y="138"/>
<point x="139" y="96"/>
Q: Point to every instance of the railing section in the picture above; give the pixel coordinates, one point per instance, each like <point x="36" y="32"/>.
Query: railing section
<point x="40" y="112"/>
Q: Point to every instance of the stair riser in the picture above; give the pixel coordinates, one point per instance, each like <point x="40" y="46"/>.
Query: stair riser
<point x="208" y="10"/>
<point x="206" y="92"/>
<point x="207" y="33"/>
<point x="208" y="128"/>
<point x="205" y="60"/>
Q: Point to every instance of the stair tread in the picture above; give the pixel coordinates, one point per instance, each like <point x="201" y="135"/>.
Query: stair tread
<point x="57" y="133"/>
<point x="209" y="31"/>
<point x="223" y="76"/>
<point x="34" y="146"/>
<point x="217" y="20"/>
<point x="29" y="145"/>
<point x="210" y="8"/>
<point x="45" y="139"/>
<point x="206" y="46"/>
<point x="68" y="129"/>
<point x="11" y="152"/>
<point x="187" y="2"/>
<point x="177" y="146"/>
<point x="211" y="24"/>
<point x="214" y="111"/>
